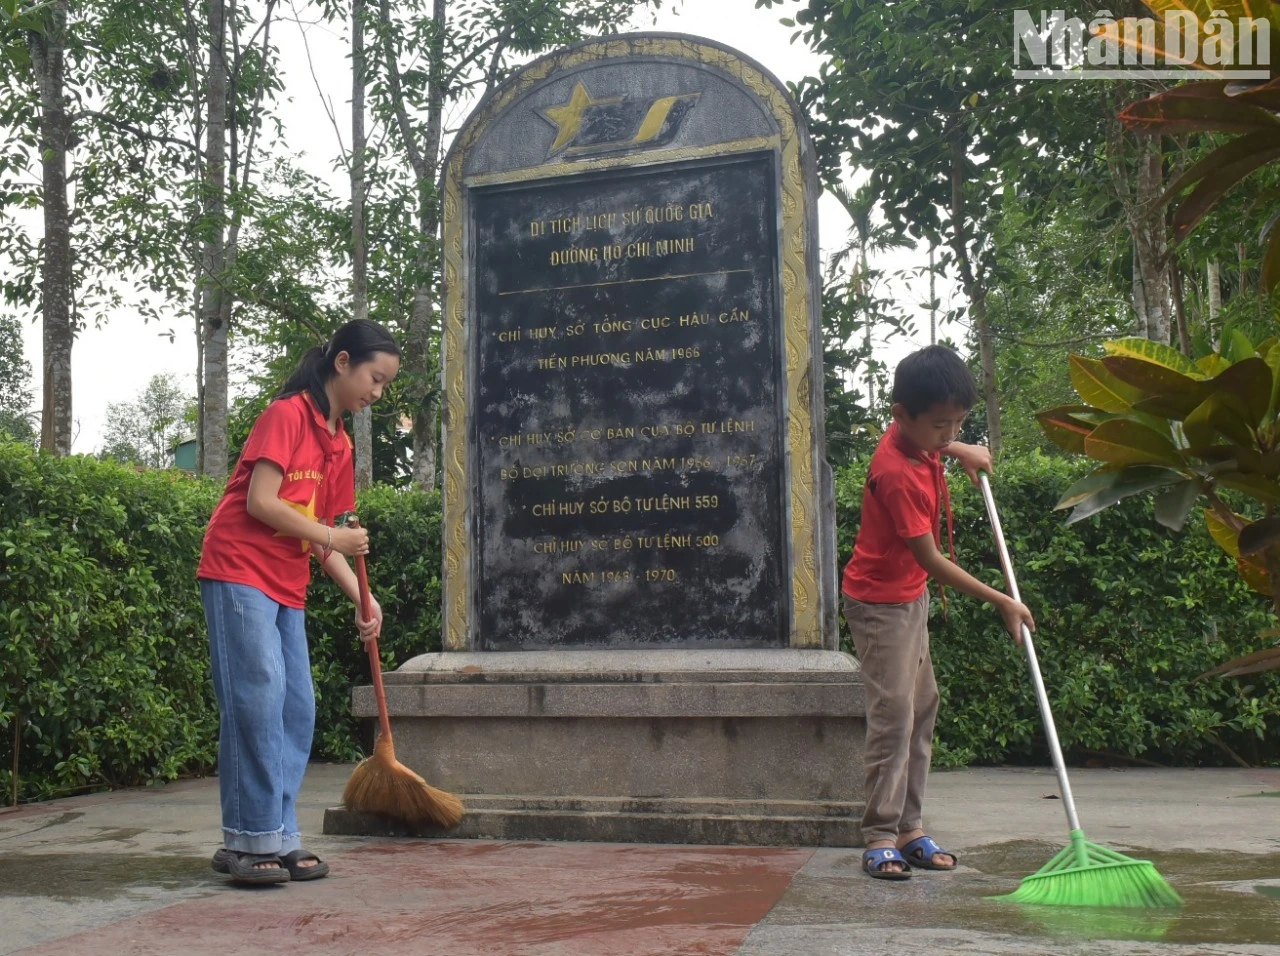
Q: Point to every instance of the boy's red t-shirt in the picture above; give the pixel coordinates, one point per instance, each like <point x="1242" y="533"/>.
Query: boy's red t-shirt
<point x="902" y="499"/>
<point x="319" y="481"/>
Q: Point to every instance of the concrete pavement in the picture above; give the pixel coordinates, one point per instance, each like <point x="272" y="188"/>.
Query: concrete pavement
<point x="128" y="873"/>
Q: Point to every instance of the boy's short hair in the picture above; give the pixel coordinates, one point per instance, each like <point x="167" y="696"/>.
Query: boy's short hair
<point x="933" y="376"/>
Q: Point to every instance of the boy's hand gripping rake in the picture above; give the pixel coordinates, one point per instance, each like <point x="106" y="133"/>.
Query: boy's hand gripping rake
<point x="1083" y="874"/>
<point x="381" y="784"/>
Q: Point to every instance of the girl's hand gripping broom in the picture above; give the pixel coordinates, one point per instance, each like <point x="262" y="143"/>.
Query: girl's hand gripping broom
<point x="381" y="784"/>
<point x="1083" y="874"/>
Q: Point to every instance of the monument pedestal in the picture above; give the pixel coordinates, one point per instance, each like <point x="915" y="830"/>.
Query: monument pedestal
<point x="760" y="747"/>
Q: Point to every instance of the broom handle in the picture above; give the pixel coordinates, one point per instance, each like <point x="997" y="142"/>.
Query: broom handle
<point x="1046" y="715"/>
<point x="375" y="663"/>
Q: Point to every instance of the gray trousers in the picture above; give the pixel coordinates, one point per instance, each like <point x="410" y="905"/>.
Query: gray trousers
<point x="892" y="643"/>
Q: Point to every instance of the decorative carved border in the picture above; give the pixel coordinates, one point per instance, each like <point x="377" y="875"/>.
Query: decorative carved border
<point x="806" y="624"/>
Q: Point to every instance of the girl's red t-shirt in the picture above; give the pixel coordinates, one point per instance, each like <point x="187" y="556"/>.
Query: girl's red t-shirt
<point x="319" y="482"/>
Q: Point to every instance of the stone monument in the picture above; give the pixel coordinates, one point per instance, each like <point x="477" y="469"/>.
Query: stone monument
<point x="640" y="576"/>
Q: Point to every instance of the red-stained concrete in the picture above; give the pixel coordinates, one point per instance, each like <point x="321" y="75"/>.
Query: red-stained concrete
<point x="478" y="899"/>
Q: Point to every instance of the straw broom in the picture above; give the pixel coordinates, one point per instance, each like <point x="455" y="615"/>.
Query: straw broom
<point x="380" y="784"/>
<point x="1084" y="873"/>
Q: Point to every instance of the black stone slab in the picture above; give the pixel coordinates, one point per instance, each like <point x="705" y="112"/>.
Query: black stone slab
<point x="627" y="419"/>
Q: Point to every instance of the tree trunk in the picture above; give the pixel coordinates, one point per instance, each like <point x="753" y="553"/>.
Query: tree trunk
<point x="866" y="330"/>
<point x="47" y="56"/>
<point x="1150" y="244"/>
<point x="425" y="161"/>
<point x="977" y="295"/>
<point x="422" y="328"/>
<point x="213" y="437"/>
<point x="1214" y="270"/>
<point x="933" y="297"/>
<point x="1179" y="306"/>
<point x="359" y="249"/>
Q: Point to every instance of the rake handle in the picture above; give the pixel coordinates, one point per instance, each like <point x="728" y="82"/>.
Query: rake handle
<point x="1046" y="714"/>
<point x="371" y="645"/>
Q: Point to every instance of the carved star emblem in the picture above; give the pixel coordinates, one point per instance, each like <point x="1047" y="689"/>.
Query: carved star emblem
<point x="309" y="510"/>
<point x="567" y="117"/>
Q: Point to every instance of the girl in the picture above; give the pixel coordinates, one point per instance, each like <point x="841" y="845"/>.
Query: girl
<point x="295" y="475"/>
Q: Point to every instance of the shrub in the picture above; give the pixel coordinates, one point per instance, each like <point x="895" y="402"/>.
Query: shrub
<point x="104" y="667"/>
<point x="104" y="677"/>
<point x="1128" y="614"/>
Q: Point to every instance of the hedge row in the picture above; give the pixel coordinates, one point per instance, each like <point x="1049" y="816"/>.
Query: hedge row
<point x="104" y="673"/>
<point x="1128" y="613"/>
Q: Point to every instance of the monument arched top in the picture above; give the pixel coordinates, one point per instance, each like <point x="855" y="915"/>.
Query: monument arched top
<point x="582" y="106"/>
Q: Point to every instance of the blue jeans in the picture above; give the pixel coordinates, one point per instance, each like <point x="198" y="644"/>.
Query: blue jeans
<point x="262" y="677"/>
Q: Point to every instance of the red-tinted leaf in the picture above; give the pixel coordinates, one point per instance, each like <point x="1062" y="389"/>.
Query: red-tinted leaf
<point x="1255" y="663"/>
<point x="1064" y="428"/>
<point x="1212" y="187"/>
<point x="1271" y="263"/>
<point x="1239" y="148"/>
<point x="1254" y="575"/>
<point x="1259" y="535"/>
<point x="1197" y="107"/>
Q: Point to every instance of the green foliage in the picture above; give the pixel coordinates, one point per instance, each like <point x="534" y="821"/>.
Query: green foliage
<point x="104" y="675"/>
<point x="1155" y="420"/>
<point x="15" y="384"/>
<point x="103" y="668"/>
<point x="1128" y="614"/>
<point x="145" y="432"/>
<point x="1214" y="106"/>
<point x="404" y="575"/>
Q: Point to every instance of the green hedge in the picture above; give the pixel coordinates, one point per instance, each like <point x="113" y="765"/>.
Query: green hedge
<point x="1127" y="614"/>
<point x="104" y="669"/>
<point x="103" y="649"/>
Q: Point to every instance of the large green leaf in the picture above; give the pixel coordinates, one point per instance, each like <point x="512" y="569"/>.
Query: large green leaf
<point x="1175" y="503"/>
<point x="1223" y="534"/>
<point x="1099" y="388"/>
<point x="1125" y="483"/>
<point x="1126" y="442"/>
<point x="1248" y="386"/>
<point x="1064" y="426"/>
<point x="1237" y="346"/>
<point x="1166" y="392"/>
<point x="1155" y="352"/>
<point x="1212" y="364"/>
<point x="1272" y="357"/>
<point x="1088" y="486"/>
<point x="1258" y="487"/>
<point x="1259" y="535"/>
<point x="1215" y="420"/>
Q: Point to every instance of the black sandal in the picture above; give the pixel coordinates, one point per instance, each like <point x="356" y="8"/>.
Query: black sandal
<point x="294" y="858"/>
<point x="243" y="867"/>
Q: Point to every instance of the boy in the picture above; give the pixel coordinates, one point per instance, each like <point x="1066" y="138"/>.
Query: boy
<point x="886" y="602"/>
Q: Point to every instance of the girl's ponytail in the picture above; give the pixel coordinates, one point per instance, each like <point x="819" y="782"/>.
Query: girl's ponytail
<point x="315" y="369"/>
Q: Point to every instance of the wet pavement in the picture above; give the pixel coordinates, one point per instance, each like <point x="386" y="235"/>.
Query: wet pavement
<point x="128" y="873"/>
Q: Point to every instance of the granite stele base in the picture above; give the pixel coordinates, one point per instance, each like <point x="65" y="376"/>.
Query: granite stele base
<point x="760" y="747"/>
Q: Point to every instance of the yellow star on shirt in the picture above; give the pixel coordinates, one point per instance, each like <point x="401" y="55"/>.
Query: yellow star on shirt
<point x="309" y="511"/>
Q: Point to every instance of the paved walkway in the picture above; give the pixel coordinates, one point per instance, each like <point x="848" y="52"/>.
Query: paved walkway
<point x="127" y="873"/>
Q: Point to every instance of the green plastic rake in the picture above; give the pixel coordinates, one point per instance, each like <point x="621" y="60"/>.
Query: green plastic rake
<point x="1083" y="874"/>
